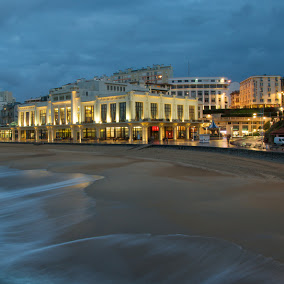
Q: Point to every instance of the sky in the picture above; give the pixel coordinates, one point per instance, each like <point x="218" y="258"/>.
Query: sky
<point x="46" y="43"/>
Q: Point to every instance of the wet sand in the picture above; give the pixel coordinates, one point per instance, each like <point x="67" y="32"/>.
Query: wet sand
<point x="166" y="191"/>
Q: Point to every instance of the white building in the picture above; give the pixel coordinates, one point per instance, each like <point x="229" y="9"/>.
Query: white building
<point x="6" y="97"/>
<point x="211" y="92"/>
<point x="96" y="109"/>
<point x="156" y="74"/>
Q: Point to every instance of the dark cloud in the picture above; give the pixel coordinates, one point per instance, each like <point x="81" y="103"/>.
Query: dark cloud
<point x="48" y="43"/>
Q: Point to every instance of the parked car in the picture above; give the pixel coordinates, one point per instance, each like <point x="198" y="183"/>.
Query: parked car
<point x="279" y="141"/>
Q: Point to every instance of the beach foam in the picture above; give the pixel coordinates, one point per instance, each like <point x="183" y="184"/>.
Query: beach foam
<point x="32" y="251"/>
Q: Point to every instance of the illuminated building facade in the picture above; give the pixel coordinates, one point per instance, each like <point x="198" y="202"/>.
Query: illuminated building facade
<point x="211" y="92"/>
<point x="260" y="91"/>
<point x="156" y="74"/>
<point x="103" y="110"/>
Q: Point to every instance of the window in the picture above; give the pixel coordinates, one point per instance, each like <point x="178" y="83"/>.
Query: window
<point x="114" y="88"/>
<point x="68" y="97"/>
<point x="138" y="110"/>
<point x="122" y="112"/>
<point x="191" y="111"/>
<point x="154" y="110"/>
<point x="32" y="117"/>
<point x="168" y="111"/>
<point x="56" y="121"/>
<point x="206" y="93"/>
<point x="193" y="94"/>
<point x="108" y="87"/>
<point x="61" y="98"/>
<point x="173" y="93"/>
<point x="199" y="93"/>
<point x="113" y="112"/>
<point x="180" y="112"/>
<point x="180" y="93"/>
<point x="55" y="98"/>
<point x="206" y="100"/>
<point x="62" y="115"/>
<point x="89" y="114"/>
<point x="27" y="118"/>
<point x="89" y="133"/>
<point x="42" y="117"/>
<point x="87" y="94"/>
<point x="104" y="113"/>
<point x="213" y="100"/>
<point x="68" y="115"/>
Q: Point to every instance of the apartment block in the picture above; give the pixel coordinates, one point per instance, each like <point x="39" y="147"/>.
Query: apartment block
<point x="6" y="97"/>
<point x="156" y="74"/>
<point x="211" y="92"/>
<point x="260" y="91"/>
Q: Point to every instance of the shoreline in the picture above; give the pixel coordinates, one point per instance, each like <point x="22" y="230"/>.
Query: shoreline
<point x="275" y="156"/>
<point x="168" y="191"/>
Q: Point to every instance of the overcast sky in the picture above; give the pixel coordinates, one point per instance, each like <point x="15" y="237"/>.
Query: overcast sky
<point x="47" y="43"/>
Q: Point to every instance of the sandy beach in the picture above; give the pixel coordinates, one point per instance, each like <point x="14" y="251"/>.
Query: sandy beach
<point x="168" y="192"/>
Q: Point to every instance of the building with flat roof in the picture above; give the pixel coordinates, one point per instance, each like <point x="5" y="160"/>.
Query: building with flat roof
<point x="96" y="109"/>
<point x="261" y="91"/>
<point x="6" y="97"/>
<point x="235" y="99"/>
<point x="211" y="92"/>
<point x="156" y="74"/>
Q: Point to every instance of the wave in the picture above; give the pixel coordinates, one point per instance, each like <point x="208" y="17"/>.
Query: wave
<point x="148" y="258"/>
<point x="37" y="207"/>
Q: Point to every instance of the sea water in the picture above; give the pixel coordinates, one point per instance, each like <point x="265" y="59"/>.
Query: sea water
<point x="38" y="207"/>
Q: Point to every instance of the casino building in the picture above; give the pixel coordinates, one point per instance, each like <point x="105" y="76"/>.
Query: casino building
<point x="93" y="110"/>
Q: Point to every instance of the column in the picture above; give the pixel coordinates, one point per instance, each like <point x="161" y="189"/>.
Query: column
<point x="80" y="134"/>
<point x="145" y="134"/>
<point x="65" y="112"/>
<point x="36" y="134"/>
<point x="59" y="116"/>
<point x="97" y="132"/>
<point x="13" y="135"/>
<point x="73" y="134"/>
<point x="187" y="133"/>
<point x="117" y="112"/>
<point x="240" y="129"/>
<point x="19" y="135"/>
<point x="175" y="132"/>
<point x="130" y="130"/>
<point x="250" y="127"/>
<point x="48" y="135"/>
<point x="161" y="130"/>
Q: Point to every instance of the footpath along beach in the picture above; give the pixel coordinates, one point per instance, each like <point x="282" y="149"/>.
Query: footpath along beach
<point x="166" y="192"/>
